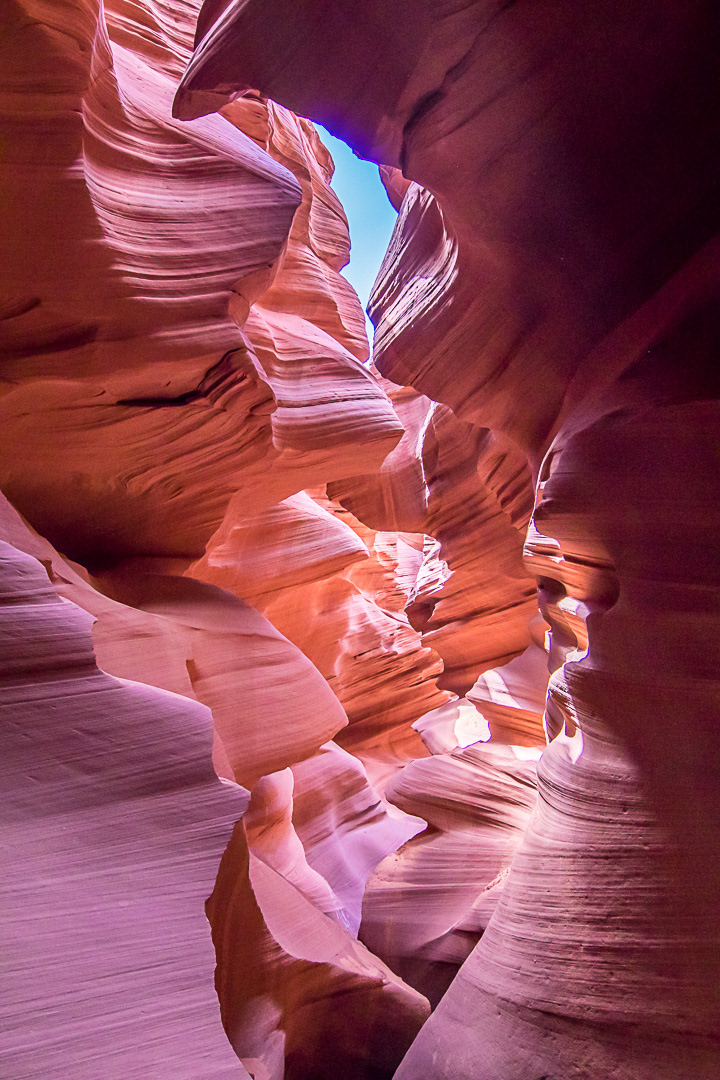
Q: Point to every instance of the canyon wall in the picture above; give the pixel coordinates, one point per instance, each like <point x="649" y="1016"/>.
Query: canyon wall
<point x="279" y="618"/>
<point x="181" y="358"/>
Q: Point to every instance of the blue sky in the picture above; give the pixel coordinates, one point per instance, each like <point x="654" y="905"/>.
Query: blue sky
<point x="370" y="214"/>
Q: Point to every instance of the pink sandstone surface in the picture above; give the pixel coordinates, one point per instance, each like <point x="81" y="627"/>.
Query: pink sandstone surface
<point x="107" y="957"/>
<point x="293" y="664"/>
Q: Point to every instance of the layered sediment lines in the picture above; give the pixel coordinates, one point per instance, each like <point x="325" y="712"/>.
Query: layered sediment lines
<point x="177" y="344"/>
<point x="235" y="549"/>
<point x="426" y="907"/>
<point x="143" y="228"/>
<point x="325" y="602"/>
<point x="470" y="490"/>
<point x="552" y="280"/>
<point x="107" y="951"/>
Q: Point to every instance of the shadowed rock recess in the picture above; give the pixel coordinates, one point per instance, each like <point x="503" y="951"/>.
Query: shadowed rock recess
<point x="360" y="714"/>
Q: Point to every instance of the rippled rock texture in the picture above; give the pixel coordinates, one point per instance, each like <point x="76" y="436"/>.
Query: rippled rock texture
<point x="140" y="405"/>
<point x="552" y="280"/>
<point x="108" y="789"/>
<point x="181" y="354"/>
<point x="275" y="679"/>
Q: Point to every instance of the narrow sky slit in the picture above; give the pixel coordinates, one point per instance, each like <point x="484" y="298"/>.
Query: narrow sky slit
<point x="370" y="215"/>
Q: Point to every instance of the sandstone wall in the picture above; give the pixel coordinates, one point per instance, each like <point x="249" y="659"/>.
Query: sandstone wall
<point x="233" y="548"/>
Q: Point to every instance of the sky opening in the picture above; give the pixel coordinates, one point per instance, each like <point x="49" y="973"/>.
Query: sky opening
<point x="371" y="216"/>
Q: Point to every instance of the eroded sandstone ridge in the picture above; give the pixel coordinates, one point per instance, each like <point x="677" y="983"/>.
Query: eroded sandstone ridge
<point x="227" y="539"/>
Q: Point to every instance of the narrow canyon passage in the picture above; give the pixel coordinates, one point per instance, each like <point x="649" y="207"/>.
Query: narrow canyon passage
<point x="360" y="697"/>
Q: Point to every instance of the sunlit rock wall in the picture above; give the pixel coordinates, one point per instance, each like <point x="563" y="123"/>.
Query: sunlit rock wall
<point x="179" y="354"/>
<point x="552" y="281"/>
<point x="232" y="542"/>
<point x="133" y="249"/>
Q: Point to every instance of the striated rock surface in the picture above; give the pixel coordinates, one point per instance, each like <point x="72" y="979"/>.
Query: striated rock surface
<point x="345" y="828"/>
<point x="427" y="905"/>
<point x="138" y="317"/>
<point x="471" y="597"/>
<point x="552" y="279"/>
<point x="592" y="961"/>
<point x="113" y="825"/>
<point x="146" y="395"/>
<point x="555" y="208"/>
<point x="145" y="229"/>
<point x="300" y="996"/>
<point x="179" y="626"/>
<point x="344" y="568"/>
<point x="615" y="965"/>
<point x="324" y="601"/>
<point x="202" y="643"/>
<point x="511" y="698"/>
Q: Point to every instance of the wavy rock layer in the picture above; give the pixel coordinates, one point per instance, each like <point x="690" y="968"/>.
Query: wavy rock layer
<point x="299" y="994"/>
<point x="102" y="850"/>
<point x="426" y="907"/>
<point x="179" y="335"/>
<point x="547" y="281"/>
<point x="159" y="411"/>
<point x="603" y="972"/>
<point x="555" y="208"/>
<point x="334" y="563"/>
<point x="470" y="597"/>
<point x="372" y="658"/>
<point x="180" y="624"/>
<point x="182" y="636"/>
<point x="613" y="971"/>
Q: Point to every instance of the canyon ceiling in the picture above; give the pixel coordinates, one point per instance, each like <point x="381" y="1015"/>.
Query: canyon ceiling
<point x="360" y="714"/>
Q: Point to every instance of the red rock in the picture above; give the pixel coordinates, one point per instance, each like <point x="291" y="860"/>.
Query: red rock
<point x="547" y="281"/>
<point x="419" y="904"/>
<point x="183" y="360"/>
<point x="185" y="619"/>
<point x="554" y="199"/>
<point x="512" y="698"/>
<point x="145" y="227"/>
<point x="371" y="657"/>
<point x="472" y="598"/>
<point x="202" y="643"/>
<point x="345" y="828"/>
<point x="272" y="838"/>
<point x="622" y="938"/>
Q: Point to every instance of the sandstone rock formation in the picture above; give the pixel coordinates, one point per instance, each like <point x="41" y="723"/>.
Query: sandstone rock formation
<point x="373" y="659"/>
<point x="549" y="208"/>
<point x="141" y="409"/>
<point x="300" y="996"/>
<point x="426" y="907"/>
<point x="553" y="279"/>
<point x="471" y="491"/>
<point x="222" y="517"/>
<point x="161" y="409"/>
<point x="99" y="925"/>
<point x="173" y="630"/>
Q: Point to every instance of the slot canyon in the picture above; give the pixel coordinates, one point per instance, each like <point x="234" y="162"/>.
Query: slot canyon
<point x="360" y="700"/>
